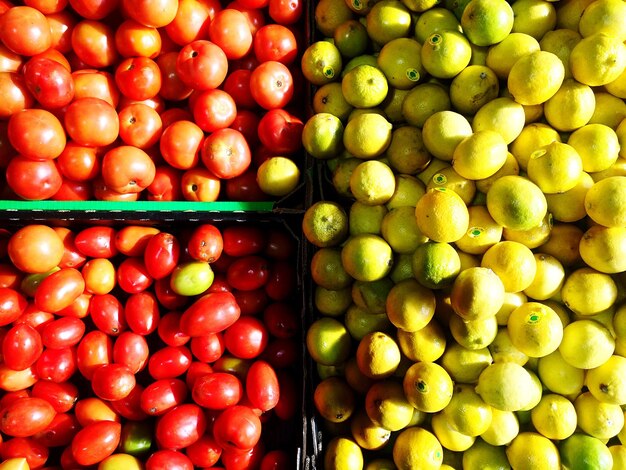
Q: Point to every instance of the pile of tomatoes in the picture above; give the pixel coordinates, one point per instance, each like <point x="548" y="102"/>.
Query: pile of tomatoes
<point x="147" y="99"/>
<point x="149" y="349"/>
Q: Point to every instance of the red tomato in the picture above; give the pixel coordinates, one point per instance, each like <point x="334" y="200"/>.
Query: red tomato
<point x="62" y="396"/>
<point x="79" y="162"/>
<point x="94" y="10"/>
<point x="247" y="122"/>
<point x="275" y="42"/>
<point x="211" y="313"/>
<point x="225" y="153"/>
<point x="245" y="187"/>
<point x="92" y="122"/>
<point x="93" y="409"/>
<point x="246" y="338"/>
<point x="92" y="83"/>
<point x="35" y="317"/>
<point x="10" y="277"/>
<point x="131" y="240"/>
<point x="262" y="387"/>
<point x="161" y="255"/>
<point x="217" y="391"/>
<point x="238" y="460"/>
<point x="94" y="350"/>
<point x="181" y="426"/>
<point x="9" y="60"/>
<point x="180" y="144"/>
<point x="277" y="459"/>
<point x="138" y="78"/>
<point x="285" y="11"/>
<point x="142" y="312"/>
<point x="21" y="346"/>
<point x="140" y="126"/>
<point x="196" y="370"/>
<point x="243" y="240"/>
<point x="93" y="42"/>
<point x="271" y="85"/>
<point x="79" y="309"/>
<point x="281" y="131"/>
<point x="57" y="365"/>
<point x="15" y="94"/>
<point x="112" y="381"/>
<point x="213" y="109"/>
<point x="26" y="416"/>
<point x="12" y="304"/>
<point x="132" y="350"/>
<point x="237" y="85"/>
<point x="99" y="275"/>
<point x="202" y="65"/>
<point x="59" y="432"/>
<point x="280" y="244"/>
<point x="95" y="442"/>
<point x="154" y="13"/>
<point x="35" y="248"/>
<point x="97" y="241"/>
<point x="132" y="276"/>
<point x="248" y="273"/>
<point x="205" y="243"/>
<point x="25" y="30"/>
<point x="107" y="313"/>
<point x="35" y="452"/>
<point x="50" y="82"/>
<point x="13" y="380"/>
<point x="61" y="25"/>
<point x="200" y="185"/>
<point x="163" y="395"/>
<point x="281" y="320"/>
<point x="230" y="30"/>
<point x="128" y="407"/>
<point x="63" y="332"/>
<point x="127" y="169"/>
<point x="254" y="16"/>
<point x="167" y="459"/>
<point x="172" y="87"/>
<point x="237" y="428"/>
<point x="132" y="39"/>
<point x="59" y="290"/>
<point x="36" y="134"/>
<point x="167" y="297"/>
<point x="207" y="348"/>
<point x="282" y="352"/>
<point x="169" y="330"/>
<point x="33" y="180"/>
<point x="169" y="362"/>
<point x="73" y="191"/>
<point x="204" y="452"/>
<point x="192" y="20"/>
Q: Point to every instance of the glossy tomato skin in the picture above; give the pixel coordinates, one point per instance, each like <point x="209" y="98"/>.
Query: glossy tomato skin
<point x="281" y="131"/>
<point x="133" y="276"/>
<point x="180" y="144"/>
<point x="94" y="350"/>
<point x="248" y="273"/>
<point x="226" y="153"/>
<point x="95" y="442"/>
<point x="196" y="370"/>
<point x="276" y="459"/>
<point x="131" y="350"/>
<point x="57" y="365"/>
<point x="59" y="290"/>
<point x="21" y="346"/>
<point x="282" y="280"/>
<point x="59" y="432"/>
<point x="192" y="20"/>
<point x="62" y="396"/>
<point x="96" y="242"/>
<point x="202" y="65"/>
<point x="25" y="31"/>
<point x="169" y="329"/>
<point x="162" y="395"/>
<point x="127" y="169"/>
<point x="132" y="240"/>
<point x="237" y="460"/>
<point x="237" y="428"/>
<point x="91" y="121"/>
<point x="237" y="85"/>
<point x="167" y="459"/>
<point x="213" y="109"/>
<point x="262" y="387"/>
<point x="161" y="255"/>
<point x="169" y="362"/>
<point x="63" y="332"/>
<point x="281" y="320"/>
<point x="32" y="179"/>
<point x="275" y="42"/>
<point x="26" y="416"/>
<point x="112" y="381"/>
<point x="230" y="30"/>
<point x="50" y="82"/>
<point x="15" y="380"/>
<point x="211" y="313"/>
<point x="217" y="391"/>
<point x="128" y="407"/>
<point x="107" y="314"/>
<point x="36" y="134"/>
<point x="247" y="338"/>
<point x="133" y="39"/>
<point x="142" y="312"/>
<point x="200" y="185"/>
<point x="243" y="240"/>
<point x="204" y="452"/>
<point x="12" y="304"/>
<point x="205" y="243"/>
<point x="181" y="426"/>
<point x="208" y="348"/>
<point x="140" y="126"/>
<point x="271" y="85"/>
<point x="285" y="12"/>
<point x="138" y="78"/>
<point x="35" y="452"/>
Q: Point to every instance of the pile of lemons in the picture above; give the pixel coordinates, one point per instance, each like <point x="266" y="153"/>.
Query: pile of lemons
<point x="469" y="249"/>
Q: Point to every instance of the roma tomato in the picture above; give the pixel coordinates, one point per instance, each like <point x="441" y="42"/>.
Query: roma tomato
<point x="217" y="391"/>
<point x="15" y="380"/>
<point x="205" y="243"/>
<point x="196" y="370"/>
<point x="281" y="131"/>
<point x="59" y="290"/>
<point x="142" y="312"/>
<point x="226" y="153"/>
<point x="127" y="169"/>
<point x="246" y="338"/>
<point x="94" y="350"/>
<point x="97" y="241"/>
<point x="133" y="276"/>
<point x="63" y="332"/>
<point x="180" y="144"/>
<point x="262" y="387"/>
<point x="49" y="81"/>
<point x="204" y="452"/>
<point x="275" y="42"/>
<point x="33" y="180"/>
<point x="167" y="297"/>
<point x="107" y="314"/>
<point x="211" y="313"/>
<point x="95" y="442"/>
<point x="237" y="428"/>
<point x="26" y="417"/>
<point x="62" y="396"/>
<point x="271" y="85"/>
<point x="230" y="30"/>
<point x="12" y="304"/>
<point x="21" y="346"/>
<point x="131" y="350"/>
<point x="99" y="276"/>
<point x="161" y="255"/>
<point x="112" y="381"/>
<point x="169" y="362"/>
<point x="237" y="460"/>
<point x="181" y="426"/>
<point x="169" y="329"/>
<point x="131" y="240"/>
<point x="251" y="302"/>
<point x="35" y="452"/>
<point x="93" y="409"/>
<point x="163" y="395"/>
<point x="243" y="240"/>
<point x="248" y="273"/>
<point x="202" y="65"/>
<point x="57" y="365"/>
<point x="128" y="407"/>
<point x="167" y="459"/>
<point x="207" y="348"/>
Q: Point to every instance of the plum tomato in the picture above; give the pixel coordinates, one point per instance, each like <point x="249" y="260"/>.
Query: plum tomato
<point x="142" y="312"/>
<point x="237" y="428"/>
<point x="59" y="432"/>
<point x="181" y="426"/>
<point x="131" y="350"/>
<point x="12" y="304"/>
<point x="217" y="391"/>
<point x="237" y="460"/>
<point x="107" y="313"/>
<point x="204" y="452"/>
<point x="211" y="313"/>
<point x="97" y="241"/>
<point x="112" y="381"/>
<point x="262" y="387"/>
<point x="62" y="396"/>
<point x="59" y="290"/>
<point x="96" y="441"/>
<point x="248" y="273"/>
<point x="243" y="240"/>
<point x="94" y="350"/>
<point x="162" y="395"/>
<point x="169" y="362"/>
<point x="251" y="302"/>
<point x="133" y="276"/>
<point x="33" y="451"/>
<point x="128" y="407"/>
<point x="131" y="240"/>
<point x="246" y="338"/>
<point x="169" y="329"/>
<point x="281" y="320"/>
<point x="167" y="459"/>
<point x="21" y="346"/>
<point x="99" y="276"/>
<point x="196" y="370"/>
<point x="207" y="348"/>
<point x="161" y="254"/>
<point x="205" y="243"/>
<point x="26" y="416"/>
<point x="57" y="365"/>
<point x="63" y="332"/>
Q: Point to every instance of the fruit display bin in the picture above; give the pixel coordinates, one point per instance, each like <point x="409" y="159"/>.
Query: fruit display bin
<point x="290" y="434"/>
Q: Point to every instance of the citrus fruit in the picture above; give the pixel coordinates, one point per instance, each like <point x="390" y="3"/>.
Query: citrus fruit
<point x="532" y="450"/>
<point x="516" y="202"/>
<point x="328" y="342"/>
<point x="533" y="17"/>
<point x="473" y="334"/>
<point x="610" y="110"/>
<point x="559" y="376"/>
<point x="364" y="86"/>
<point x="445" y="53"/>
<point x="467" y="413"/>
<point x="365" y="218"/>
<point x="340" y="174"/>
<point x="332" y="302"/>
<point x="480" y="155"/>
<point x="366" y="433"/>
<point x="605" y="202"/>
<point x="512" y="300"/>
<point x="535" y="329"/>
<point x="502" y="115"/>
<point x="427" y="386"/>
<point x="503" y="428"/>
<point x="321" y="62"/>
<point x="400" y="61"/>
<point x="598" y="59"/>
<point x="535" y="77"/>
<point x="450" y="438"/>
<point x="435" y="264"/>
<point x="555" y="168"/>
<point x="569" y="206"/>
<point x="278" y="176"/>
<point x="449" y="179"/>
<point x="506" y="386"/>
<point x="387" y="406"/>
<point x="416" y="447"/>
<point x="532" y="137"/>
<point x="487" y="22"/>
<point x="563" y="243"/>
<point x="329" y="99"/>
<point x="424" y="100"/>
<point x="351" y="38"/>
<point x="329" y="14"/>
<point x="433" y="20"/>
<point x="584" y="280"/>
<point x="426" y="344"/>
<point x="367" y="135"/>
<point x="473" y="87"/>
<point x="327" y="270"/>
<point x="360" y="322"/>
<point x="377" y="355"/>
<point x="410" y="306"/>
<point x="561" y="42"/>
<point x="408" y="191"/>
<point x="322" y="136"/>
<point x="372" y="296"/>
<point x="477" y="293"/>
<point x="464" y="365"/>
<point x="549" y="277"/>
<point x="602" y="248"/>
<point x="501" y="56"/>
<point x="586" y="344"/>
<point x="366" y="257"/>
<point x="597" y="145"/>
<point x="606" y="382"/>
<point x="580" y="451"/>
<point x="442" y="215"/>
<point x="598" y="419"/>
<point x="407" y="153"/>
<point x="399" y="229"/>
<point x="571" y="107"/>
<point x="485" y="456"/>
<point x="372" y="182"/>
<point x="443" y="131"/>
<point x="388" y="20"/>
<point x="603" y="16"/>
<point x="325" y="223"/>
<point x="343" y="453"/>
<point x="510" y="167"/>
<point x="334" y="400"/>
<point x="554" y="417"/>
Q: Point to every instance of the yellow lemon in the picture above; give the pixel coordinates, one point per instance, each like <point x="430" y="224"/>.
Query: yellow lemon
<point x="325" y="223"/>
<point x="487" y="22"/>
<point x="610" y="110"/>
<point x="483" y="232"/>
<point x="392" y="105"/>
<point x="445" y="53"/>
<point x="340" y="175"/>
<point x="561" y="42"/>
<point x="502" y="115"/>
<point x="334" y="400"/>
<point x="360" y="322"/>
<point x="387" y="406"/>
<point x="535" y="329"/>
<point x="433" y="20"/>
<point x="513" y="263"/>
<point x="607" y="382"/>
<point x="569" y="206"/>
<point x="477" y="293"/>
<point x="363" y="59"/>
<point x="516" y="202"/>
<point x="366" y="257"/>
<point x="321" y="62"/>
<point x="380" y="464"/>
<point x="329" y="14"/>
<point x="372" y="182"/>
<point x="534" y="17"/>
<point x="329" y="99"/>
<point x="532" y="137"/>
<point x="364" y="86"/>
<point x="549" y="277"/>
<point x="503" y="428"/>
<point x="400" y="61"/>
<point x="535" y="77"/>
<point x="427" y="386"/>
<point x="605" y="202"/>
<point x="603" y="248"/>
<point x="388" y="20"/>
<point x="366" y="433"/>
<point x="343" y="453"/>
<point x="399" y="229"/>
<point x="410" y="306"/>
<point x="607" y="16"/>
<point x="512" y="300"/>
<point x="571" y="107"/>
<point x="332" y="302"/>
<point x="554" y="417"/>
<point x="424" y="345"/>
<point x="407" y="153"/>
<point x="450" y="438"/>
<point x="597" y="145"/>
<point x="424" y="100"/>
<point x="367" y="135"/>
<point x="503" y="350"/>
<point x="278" y="176"/>
<point x="443" y="131"/>
<point x="351" y="38"/>
<point x="449" y="179"/>
<point x="586" y="344"/>
<point x="473" y="87"/>
<point x="322" y="136"/>
<point x="598" y="59"/>
<point x="563" y="243"/>
<point x="510" y="167"/>
<point x="584" y="280"/>
<point x="327" y="269"/>
<point x="415" y="447"/>
<point x="364" y="218"/>
<point x="555" y="168"/>
<point x="401" y="269"/>
<point x="435" y="264"/>
<point x="480" y="155"/>
<point x="483" y="455"/>
<point x="618" y="452"/>
<point x="617" y="87"/>
<point x="532" y="237"/>
<point x="371" y="296"/>
<point x="377" y="355"/>
<point x="559" y="376"/>
<point x="442" y="215"/>
<point x="408" y="191"/>
<point x="532" y="450"/>
<point x="506" y="386"/>
<point x="502" y="56"/>
<point x="473" y="334"/>
<point x="465" y="365"/>
<point x="434" y="166"/>
<point x="598" y="419"/>
<point x="568" y="13"/>
<point x="466" y="412"/>
<point x="328" y="342"/>
<point x="580" y="447"/>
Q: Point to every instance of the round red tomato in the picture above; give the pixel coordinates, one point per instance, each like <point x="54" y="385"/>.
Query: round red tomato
<point x="275" y="42"/>
<point x="49" y="81"/>
<point x="200" y="185"/>
<point x="248" y="272"/>
<point x="25" y="30"/>
<point x="281" y="131"/>
<point x="93" y="10"/>
<point x="154" y="13"/>
<point x="246" y="338"/>
<point x="230" y="30"/>
<point x="285" y="11"/>
<point x="36" y="134"/>
<point x="181" y="426"/>
<point x="138" y="78"/>
<point x="33" y="180"/>
<point x="79" y="162"/>
<point x="140" y="126"/>
<point x="237" y="85"/>
<point x="92" y="122"/>
<point x="35" y="248"/>
<point x="132" y="39"/>
<point x="226" y="153"/>
<point x="16" y="96"/>
<point x="202" y="65"/>
<point x="180" y="144"/>
<point x="213" y="109"/>
<point x="93" y="42"/>
<point x="271" y="85"/>
<point x="192" y="20"/>
<point x="127" y="169"/>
